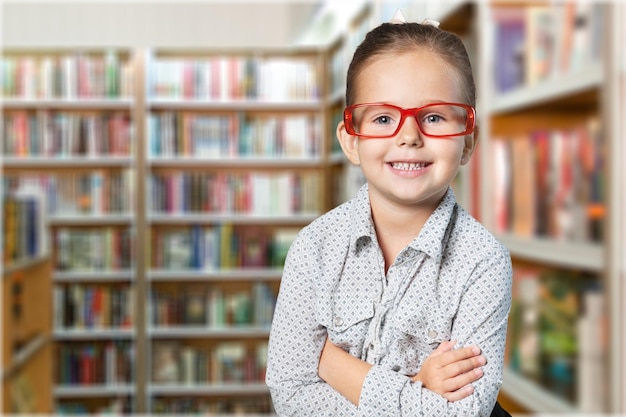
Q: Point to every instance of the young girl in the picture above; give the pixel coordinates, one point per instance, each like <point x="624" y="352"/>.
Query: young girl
<point x="396" y="302"/>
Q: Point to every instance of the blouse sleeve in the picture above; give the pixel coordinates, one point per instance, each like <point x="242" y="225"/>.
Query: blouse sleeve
<point x="481" y="320"/>
<point x="295" y="345"/>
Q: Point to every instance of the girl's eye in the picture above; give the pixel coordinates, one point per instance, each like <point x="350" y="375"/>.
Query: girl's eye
<point x="433" y="118"/>
<point x="382" y="120"/>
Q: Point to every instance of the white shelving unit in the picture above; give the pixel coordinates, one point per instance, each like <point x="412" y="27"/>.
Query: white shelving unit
<point x="595" y="85"/>
<point x="65" y="160"/>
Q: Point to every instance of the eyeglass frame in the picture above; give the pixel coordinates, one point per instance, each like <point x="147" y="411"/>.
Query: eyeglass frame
<point x="470" y="125"/>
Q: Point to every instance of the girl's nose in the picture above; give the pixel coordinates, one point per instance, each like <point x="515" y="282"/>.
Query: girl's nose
<point x="409" y="134"/>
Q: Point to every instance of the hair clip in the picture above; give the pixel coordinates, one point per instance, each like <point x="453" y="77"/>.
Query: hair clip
<point x="398" y="18"/>
<point x="430" y="22"/>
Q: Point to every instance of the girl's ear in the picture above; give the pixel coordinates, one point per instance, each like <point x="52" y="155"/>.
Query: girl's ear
<point x="349" y="144"/>
<point x="469" y="146"/>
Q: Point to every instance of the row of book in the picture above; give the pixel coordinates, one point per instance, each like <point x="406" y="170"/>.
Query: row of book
<point x="255" y="193"/>
<point x="235" y="135"/>
<point x="47" y="133"/>
<point x="93" y="249"/>
<point x="225" y="78"/>
<point x="551" y="183"/>
<point x="67" y="194"/>
<point x="557" y="334"/>
<point x="23" y="232"/>
<point x="90" y="306"/>
<point x="107" y="363"/>
<point x="223" y="246"/>
<point x="248" y="405"/>
<point x="67" y="76"/>
<point x="211" y="306"/>
<point x="226" y="362"/>
<point x="539" y="42"/>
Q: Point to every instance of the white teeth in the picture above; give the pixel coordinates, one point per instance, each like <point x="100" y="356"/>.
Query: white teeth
<point x="409" y="166"/>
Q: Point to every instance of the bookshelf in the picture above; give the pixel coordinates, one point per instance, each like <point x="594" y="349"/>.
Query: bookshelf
<point x="26" y="336"/>
<point x="575" y="252"/>
<point x="235" y="164"/>
<point x="172" y="154"/>
<point x="26" y="306"/>
<point x="69" y="134"/>
<point x="550" y="106"/>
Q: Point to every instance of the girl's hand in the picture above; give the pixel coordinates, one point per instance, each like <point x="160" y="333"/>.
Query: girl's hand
<point x="450" y="373"/>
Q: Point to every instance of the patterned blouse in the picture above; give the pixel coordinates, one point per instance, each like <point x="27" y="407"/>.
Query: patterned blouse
<point x="452" y="282"/>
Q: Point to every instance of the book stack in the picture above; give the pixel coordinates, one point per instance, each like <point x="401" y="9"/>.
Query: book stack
<point x="253" y="192"/>
<point x="69" y="76"/>
<point x="90" y="363"/>
<point x="552" y="183"/>
<point x="224" y="246"/>
<point x="234" y="135"/>
<point x="536" y="43"/>
<point x="227" y="362"/>
<point x="90" y="306"/>
<point x="93" y="249"/>
<point x="86" y="193"/>
<point x="62" y="134"/>
<point x="24" y="223"/>
<point x="232" y="78"/>
<point x="211" y="306"/>
<point x="554" y="335"/>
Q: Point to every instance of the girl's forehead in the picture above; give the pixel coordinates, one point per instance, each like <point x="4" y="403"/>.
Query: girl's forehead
<point x="398" y="74"/>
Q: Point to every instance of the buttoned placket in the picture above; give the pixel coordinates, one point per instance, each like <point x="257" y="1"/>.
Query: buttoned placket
<point x="395" y="283"/>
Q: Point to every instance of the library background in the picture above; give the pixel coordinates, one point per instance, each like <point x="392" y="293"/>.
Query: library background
<point x="158" y="159"/>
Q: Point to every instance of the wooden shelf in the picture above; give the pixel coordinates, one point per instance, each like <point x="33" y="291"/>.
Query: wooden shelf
<point x="98" y="161"/>
<point x="230" y="275"/>
<point x="185" y="332"/>
<point x="70" y="103"/>
<point x="25" y="354"/>
<point x="93" y="391"/>
<point x="93" y="276"/>
<point x="103" y="219"/>
<point x="15" y="266"/>
<point x="248" y="388"/>
<point x="185" y="218"/>
<point x="26" y="347"/>
<point x="547" y="91"/>
<point x="238" y="162"/>
<point x="93" y="334"/>
<point x="585" y="256"/>
<point x="238" y="105"/>
<point x="533" y="396"/>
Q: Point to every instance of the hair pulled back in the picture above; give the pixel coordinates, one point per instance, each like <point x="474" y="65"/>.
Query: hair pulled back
<point x="397" y="38"/>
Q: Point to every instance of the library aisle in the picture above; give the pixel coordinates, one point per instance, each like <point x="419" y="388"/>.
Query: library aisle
<point x="157" y="164"/>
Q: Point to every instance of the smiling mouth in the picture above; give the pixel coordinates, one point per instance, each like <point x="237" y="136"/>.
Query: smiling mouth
<point x="409" y="166"/>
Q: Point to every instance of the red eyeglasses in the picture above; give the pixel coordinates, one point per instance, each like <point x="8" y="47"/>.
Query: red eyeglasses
<point x="437" y="120"/>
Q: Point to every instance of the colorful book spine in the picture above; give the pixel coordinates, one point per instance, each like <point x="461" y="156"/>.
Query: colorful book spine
<point x="67" y="76"/>
<point x="49" y="133"/>
<point x="552" y="183"/>
<point x="258" y="193"/>
<point x="232" y="78"/>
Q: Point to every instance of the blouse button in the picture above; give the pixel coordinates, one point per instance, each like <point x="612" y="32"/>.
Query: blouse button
<point x="432" y="334"/>
<point x="338" y="321"/>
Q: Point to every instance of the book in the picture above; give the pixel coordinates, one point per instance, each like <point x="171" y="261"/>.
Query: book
<point x="194" y="301"/>
<point x="254" y="247"/>
<point x="523" y="339"/>
<point x="555" y="185"/>
<point x="541" y="42"/>
<point x="165" y="362"/>
<point x="509" y="44"/>
<point x="592" y="329"/>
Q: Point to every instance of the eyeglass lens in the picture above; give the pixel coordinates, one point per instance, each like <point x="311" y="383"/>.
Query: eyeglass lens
<point x="434" y="120"/>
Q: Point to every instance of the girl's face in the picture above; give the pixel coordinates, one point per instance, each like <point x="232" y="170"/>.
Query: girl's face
<point x="409" y="169"/>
